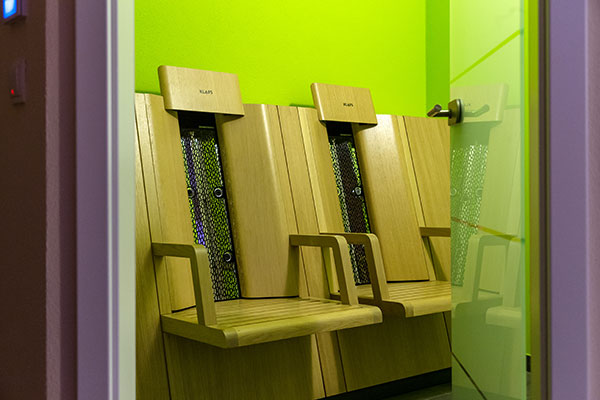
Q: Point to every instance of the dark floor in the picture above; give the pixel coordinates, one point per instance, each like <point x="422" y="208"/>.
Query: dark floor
<point x="441" y="392"/>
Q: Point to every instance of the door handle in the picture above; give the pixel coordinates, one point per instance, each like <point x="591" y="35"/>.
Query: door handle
<point x="454" y="113"/>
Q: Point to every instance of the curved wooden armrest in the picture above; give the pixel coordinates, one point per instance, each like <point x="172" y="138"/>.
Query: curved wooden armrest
<point x="374" y="261"/>
<point x="205" y="305"/>
<point x="343" y="265"/>
<point x="434" y="231"/>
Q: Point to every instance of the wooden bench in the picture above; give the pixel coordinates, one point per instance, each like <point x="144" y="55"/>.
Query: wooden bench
<point x="264" y="226"/>
<point x="404" y="167"/>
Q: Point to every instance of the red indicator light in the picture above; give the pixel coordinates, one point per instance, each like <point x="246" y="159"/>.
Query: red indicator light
<point x="12" y="92"/>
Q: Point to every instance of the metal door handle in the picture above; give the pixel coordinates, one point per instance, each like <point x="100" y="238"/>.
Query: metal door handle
<point x="454" y="113"/>
<point x="438" y="112"/>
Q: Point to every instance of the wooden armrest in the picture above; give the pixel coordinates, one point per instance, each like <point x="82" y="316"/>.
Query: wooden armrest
<point x="343" y="265"/>
<point x="205" y="305"/>
<point x="434" y="231"/>
<point x="374" y="261"/>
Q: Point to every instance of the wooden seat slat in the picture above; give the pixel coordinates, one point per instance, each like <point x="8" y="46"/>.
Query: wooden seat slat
<point x="248" y="327"/>
<point x="411" y="299"/>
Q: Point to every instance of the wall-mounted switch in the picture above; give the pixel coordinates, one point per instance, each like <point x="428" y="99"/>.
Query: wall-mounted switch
<point x="16" y="81"/>
<point x="12" y="10"/>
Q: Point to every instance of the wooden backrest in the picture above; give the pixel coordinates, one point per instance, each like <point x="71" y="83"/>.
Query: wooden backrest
<point x="384" y="146"/>
<point x="258" y="188"/>
<point x="294" y="122"/>
<point x="260" y="201"/>
<point x="428" y="140"/>
<point x="395" y="157"/>
<point x="270" y="197"/>
<point x="320" y="168"/>
<point x="255" y="173"/>
<point x="383" y="162"/>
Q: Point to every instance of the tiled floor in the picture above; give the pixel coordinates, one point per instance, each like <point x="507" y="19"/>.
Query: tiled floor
<point x="442" y="392"/>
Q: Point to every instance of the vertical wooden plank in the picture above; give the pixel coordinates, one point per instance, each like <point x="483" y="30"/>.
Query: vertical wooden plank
<point x="390" y="204"/>
<point x="320" y="168"/>
<point x="429" y="141"/>
<point x="412" y="178"/>
<point x="302" y="196"/>
<point x="151" y="369"/>
<point x="306" y="219"/>
<point x="260" y="202"/>
<point x="322" y="180"/>
<point x="169" y="216"/>
<point x="410" y="168"/>
<point x="147" y="169"/>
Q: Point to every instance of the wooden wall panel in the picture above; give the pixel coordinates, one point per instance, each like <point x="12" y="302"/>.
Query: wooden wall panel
<point x="260" y="202"/>
<point x="388" y="193"/>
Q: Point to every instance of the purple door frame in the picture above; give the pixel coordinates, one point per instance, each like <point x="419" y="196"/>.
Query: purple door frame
<point x="573" y="162"/>
<point x="105" y="199"/>
<point x="103" y="177"/>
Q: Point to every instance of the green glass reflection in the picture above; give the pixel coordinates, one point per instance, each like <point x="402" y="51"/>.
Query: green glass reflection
<point x="487" y="200"/>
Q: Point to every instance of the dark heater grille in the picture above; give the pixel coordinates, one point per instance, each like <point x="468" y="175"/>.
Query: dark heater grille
<point x="350" y="193"/>
<point x="206" y="192"/>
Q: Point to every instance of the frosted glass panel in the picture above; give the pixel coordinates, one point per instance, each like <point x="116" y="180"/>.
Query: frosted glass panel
<point x="487" y="200"/>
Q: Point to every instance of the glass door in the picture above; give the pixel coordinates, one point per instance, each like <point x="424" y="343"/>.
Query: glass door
<point x="488" y="161"/>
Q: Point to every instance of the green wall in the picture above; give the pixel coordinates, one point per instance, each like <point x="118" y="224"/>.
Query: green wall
<point x="279" y="48"/>
<point x="437" y="52"/>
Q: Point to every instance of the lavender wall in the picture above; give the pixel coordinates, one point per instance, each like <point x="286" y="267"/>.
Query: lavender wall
<point x="37" y="339"/>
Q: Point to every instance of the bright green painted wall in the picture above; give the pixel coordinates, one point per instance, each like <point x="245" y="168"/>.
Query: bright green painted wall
<point x="437" y="22"/>
<point x="279" y="48"/>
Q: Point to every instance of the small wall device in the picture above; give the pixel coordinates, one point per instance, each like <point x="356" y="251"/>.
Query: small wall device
<point x="12" y="10"/>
